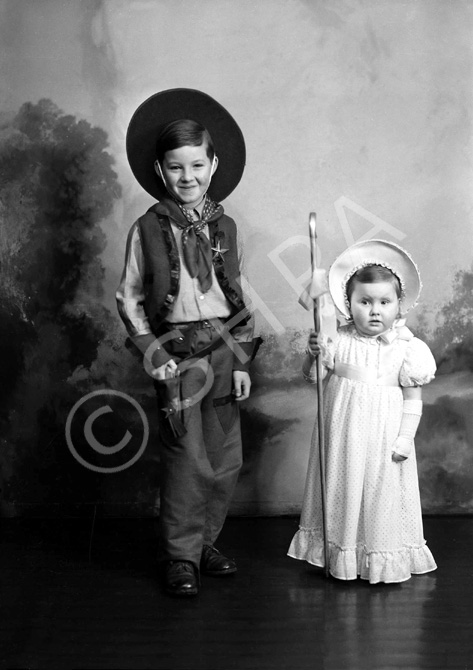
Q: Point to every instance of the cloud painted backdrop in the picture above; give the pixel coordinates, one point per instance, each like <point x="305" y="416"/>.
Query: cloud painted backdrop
<point x="360" y="111"/>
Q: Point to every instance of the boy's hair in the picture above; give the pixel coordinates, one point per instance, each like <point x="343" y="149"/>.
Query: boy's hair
<point x="372" y="274"/>
<point x="182" y="133"/>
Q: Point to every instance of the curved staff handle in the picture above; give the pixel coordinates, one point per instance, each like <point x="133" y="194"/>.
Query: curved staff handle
<point x="320" y="397"/>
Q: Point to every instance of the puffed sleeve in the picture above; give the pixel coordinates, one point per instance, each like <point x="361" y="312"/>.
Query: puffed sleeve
<point x="419" y="365"/>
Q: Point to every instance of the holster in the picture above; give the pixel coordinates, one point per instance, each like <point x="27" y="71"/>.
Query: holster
<point x="168" y="390"/>
<point x="169" y="395"/>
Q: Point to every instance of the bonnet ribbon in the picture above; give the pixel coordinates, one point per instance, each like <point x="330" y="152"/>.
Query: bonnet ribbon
<point x="398" y="330"/>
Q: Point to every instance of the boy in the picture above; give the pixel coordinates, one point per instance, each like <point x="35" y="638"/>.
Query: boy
<point x="181" y="301"/>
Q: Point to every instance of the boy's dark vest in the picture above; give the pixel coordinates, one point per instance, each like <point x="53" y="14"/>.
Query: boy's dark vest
<point x="163" y="268"/>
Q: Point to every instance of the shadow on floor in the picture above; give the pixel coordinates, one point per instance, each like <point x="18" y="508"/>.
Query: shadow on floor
<point x="72" y="598"/>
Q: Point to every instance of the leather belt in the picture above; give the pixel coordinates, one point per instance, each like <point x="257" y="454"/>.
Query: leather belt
<point x="196" y="325"/>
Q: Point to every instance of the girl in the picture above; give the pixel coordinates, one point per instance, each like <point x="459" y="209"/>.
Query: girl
<point x="372" y="407"/>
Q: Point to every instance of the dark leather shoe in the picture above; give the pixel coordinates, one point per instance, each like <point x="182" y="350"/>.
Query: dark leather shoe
<point x="214" y="563"/>
<point x="180" y="579"/>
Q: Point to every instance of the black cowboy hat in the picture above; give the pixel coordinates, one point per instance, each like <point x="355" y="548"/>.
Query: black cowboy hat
<point x="185" y="103"/>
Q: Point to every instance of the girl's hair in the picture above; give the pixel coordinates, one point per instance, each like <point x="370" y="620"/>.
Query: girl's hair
<point x="182" y="133"/>
<point x="372" y="274"/>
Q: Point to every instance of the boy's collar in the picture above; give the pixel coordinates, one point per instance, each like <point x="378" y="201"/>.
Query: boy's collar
<point x="169" y="207"/>
<point x="198" y="208"/>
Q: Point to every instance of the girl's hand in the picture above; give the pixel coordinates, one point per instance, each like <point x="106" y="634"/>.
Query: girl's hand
<point x="397" y="458"/>
<point x="313" y="344"/>
<point x="401" y="448"/>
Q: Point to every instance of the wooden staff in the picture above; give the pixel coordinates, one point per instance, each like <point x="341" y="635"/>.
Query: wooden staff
<point x="320" y="396"/>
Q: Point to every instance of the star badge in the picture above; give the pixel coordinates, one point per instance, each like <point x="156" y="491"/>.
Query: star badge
<point x="218" y="251"/>
<point x="168" y="411"/>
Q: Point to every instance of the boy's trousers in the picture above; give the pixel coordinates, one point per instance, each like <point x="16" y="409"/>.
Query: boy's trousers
<point x="199" y="470"/>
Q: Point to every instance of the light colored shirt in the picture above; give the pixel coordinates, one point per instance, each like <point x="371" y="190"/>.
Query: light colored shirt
<point x="191" y="304"/>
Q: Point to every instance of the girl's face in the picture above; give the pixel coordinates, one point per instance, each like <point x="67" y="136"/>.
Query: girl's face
<point x="187" y="172"/>
<point x="374" y="307"/>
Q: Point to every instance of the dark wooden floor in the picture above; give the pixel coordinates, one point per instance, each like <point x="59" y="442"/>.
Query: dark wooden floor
<point x="66" y="603"/>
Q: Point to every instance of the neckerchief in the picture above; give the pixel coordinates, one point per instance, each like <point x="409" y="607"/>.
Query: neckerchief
<point x="196" y="246"/>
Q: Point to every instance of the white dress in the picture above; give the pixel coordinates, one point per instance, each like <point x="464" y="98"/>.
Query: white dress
<point x="374" y="522"/>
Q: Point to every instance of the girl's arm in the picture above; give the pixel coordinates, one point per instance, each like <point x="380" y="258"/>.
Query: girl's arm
<point x="412" y="411"/>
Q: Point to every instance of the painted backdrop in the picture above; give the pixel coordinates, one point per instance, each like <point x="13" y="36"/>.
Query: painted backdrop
<point x="357" y="110"/>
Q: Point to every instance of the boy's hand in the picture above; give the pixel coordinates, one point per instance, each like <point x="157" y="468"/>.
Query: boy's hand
<point x="241" y="385"/>
<point x="313" y="344"/>
<point x="166" y="371"/>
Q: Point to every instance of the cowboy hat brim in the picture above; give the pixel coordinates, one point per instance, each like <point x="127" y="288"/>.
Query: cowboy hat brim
<point x="185" y="103"/>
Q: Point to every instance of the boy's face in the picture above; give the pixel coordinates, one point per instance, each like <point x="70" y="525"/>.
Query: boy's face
<point x="187" y="172"/>
<point x="374" y="307"/>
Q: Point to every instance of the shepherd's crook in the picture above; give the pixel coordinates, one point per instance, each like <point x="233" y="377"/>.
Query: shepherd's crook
<point x="320" y="397"/>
